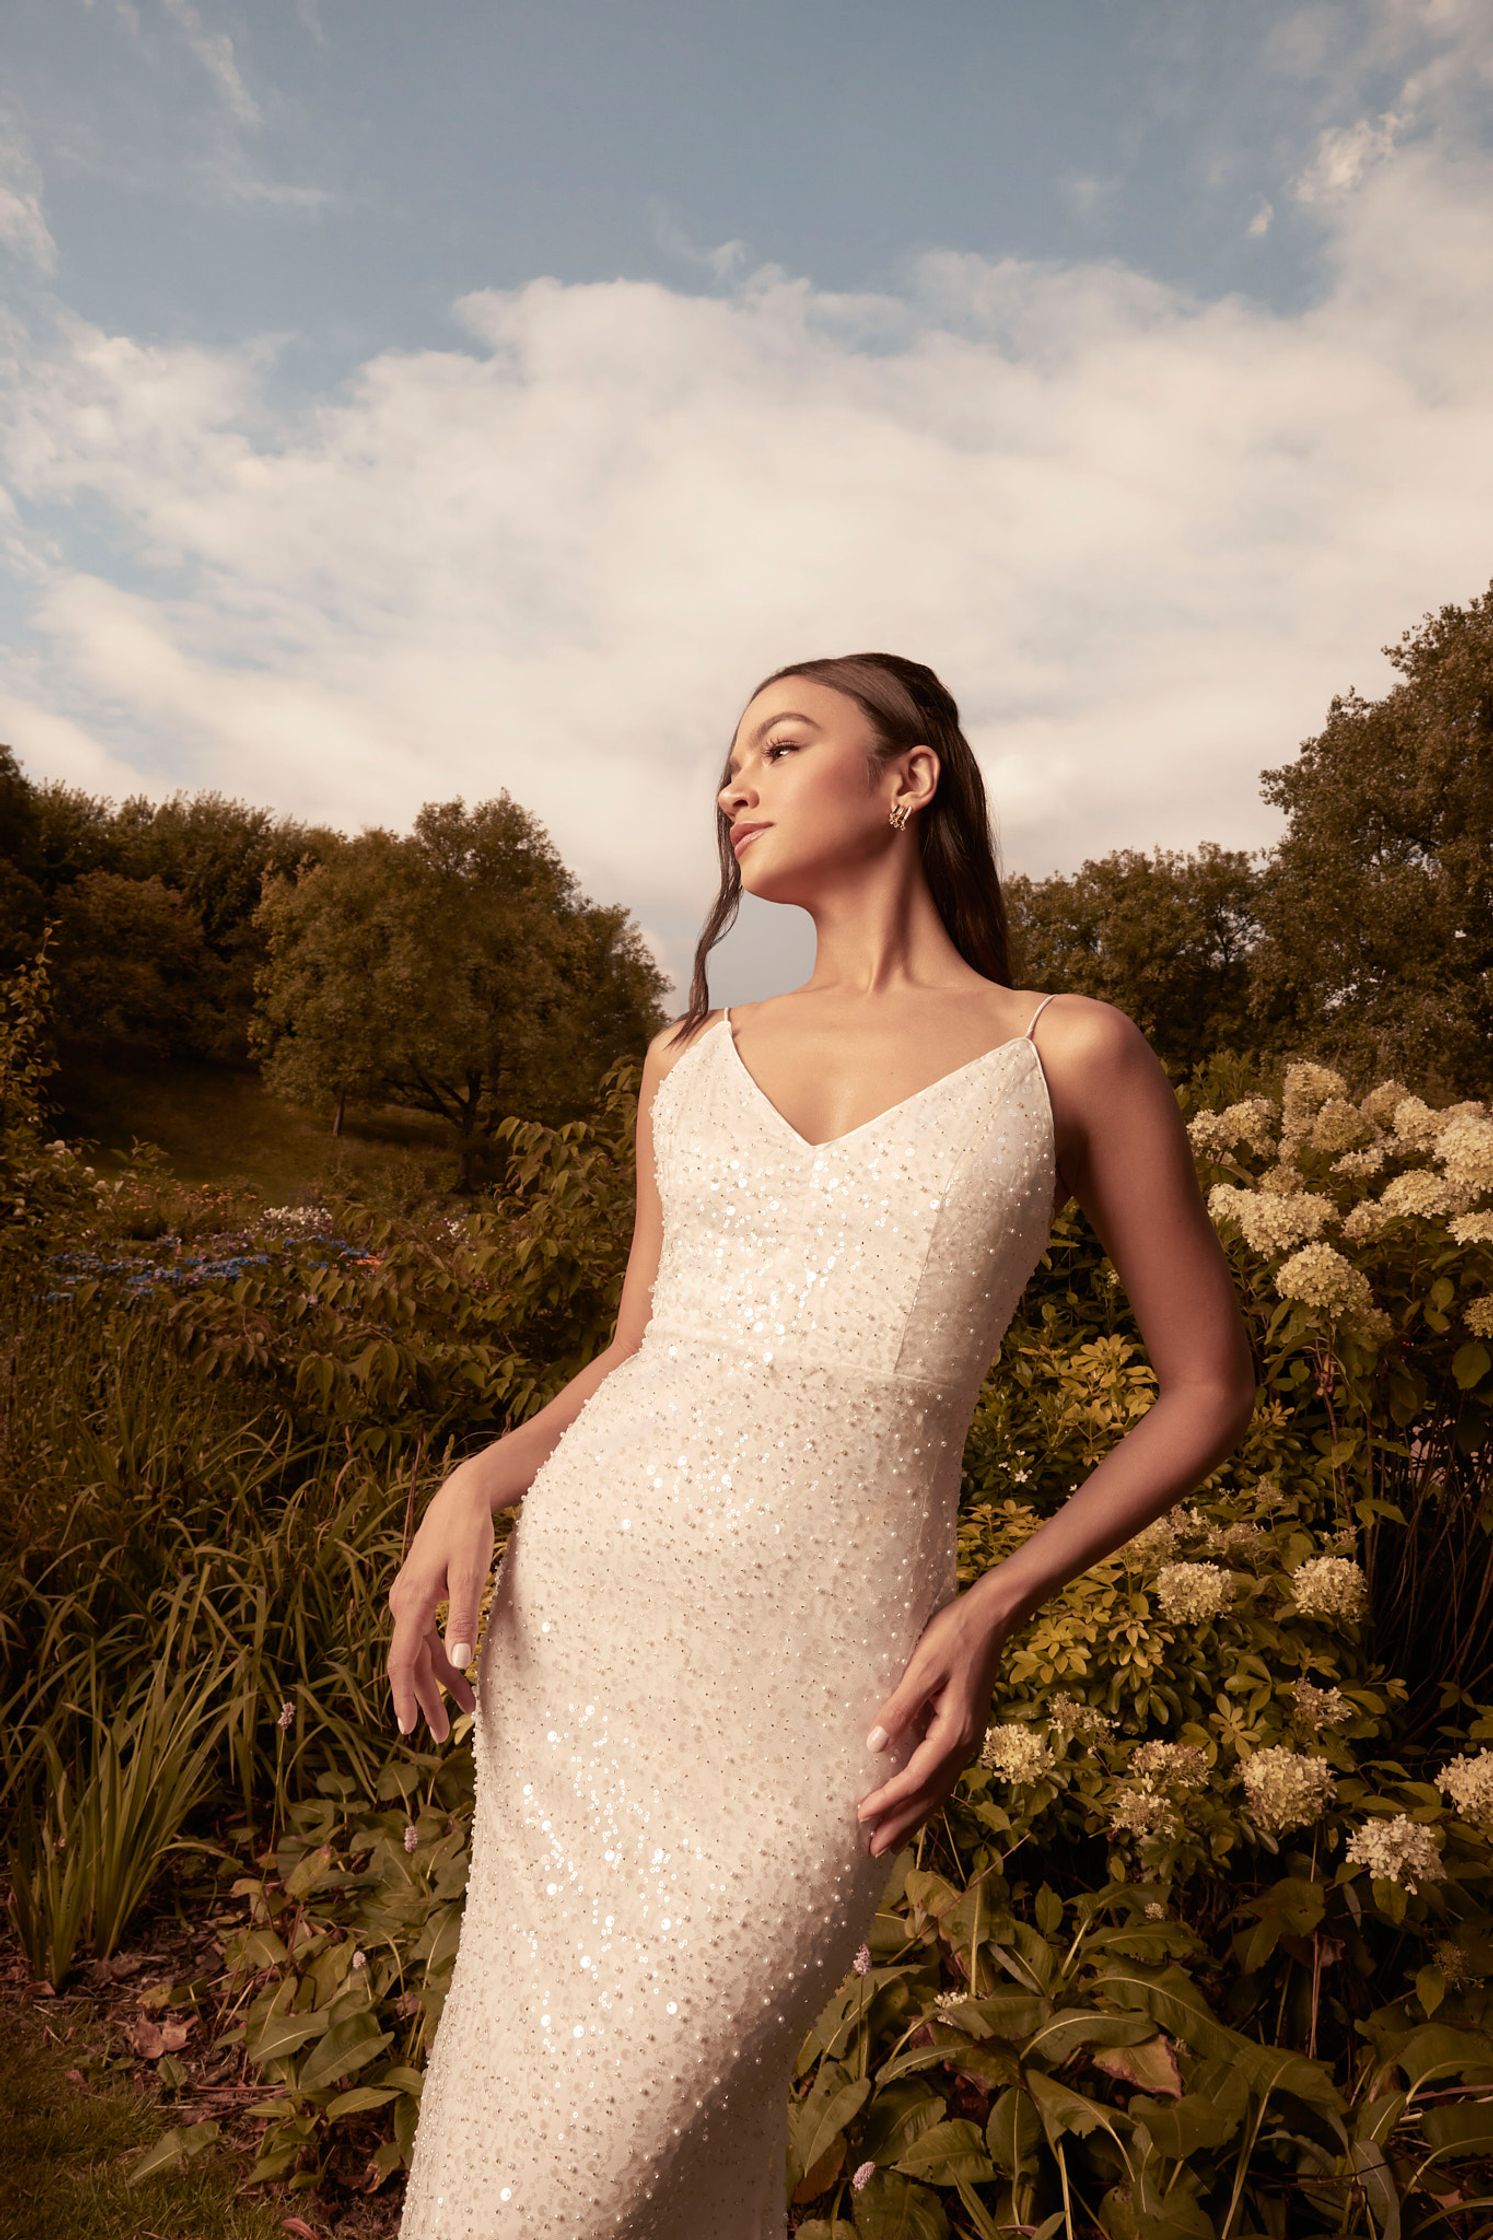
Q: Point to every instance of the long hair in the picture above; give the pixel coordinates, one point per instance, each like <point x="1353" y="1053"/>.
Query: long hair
<point x="905" y="705"/>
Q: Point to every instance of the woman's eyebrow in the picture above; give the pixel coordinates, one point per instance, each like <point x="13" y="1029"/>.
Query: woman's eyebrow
<point x="784" y="715"/>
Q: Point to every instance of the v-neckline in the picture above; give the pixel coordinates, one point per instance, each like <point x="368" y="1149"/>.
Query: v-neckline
<point x="832" y="1143"/>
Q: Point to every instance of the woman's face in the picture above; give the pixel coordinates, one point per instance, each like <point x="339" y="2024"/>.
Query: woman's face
<point x="800" y="767"/>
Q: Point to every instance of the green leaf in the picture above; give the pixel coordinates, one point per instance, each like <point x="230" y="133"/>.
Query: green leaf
<point x="947" y="2151"/>
<point x="173" y="2147"/>
<point x="1013" y="2132"/>
<point x="1072" y="2027"/>
<point x="892" y="2207"/>
<point x="1436" y="2049"/>
<point x="834" y="2100"/>
<point x="361" y="2096"/>
<point x="283" y="2034"/>
<point x="1181" y="2128"/>
<point x="346" y="2046"/>
<point x="1470" y="1364"/>
<point x="1061" y="2109"/>
<point x="1460" y="2124"/>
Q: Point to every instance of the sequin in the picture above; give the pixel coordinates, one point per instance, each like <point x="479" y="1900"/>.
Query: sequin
<point x="716" y="1575"/>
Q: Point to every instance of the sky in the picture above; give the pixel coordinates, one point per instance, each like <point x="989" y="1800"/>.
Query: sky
<point x="403" y="404"/>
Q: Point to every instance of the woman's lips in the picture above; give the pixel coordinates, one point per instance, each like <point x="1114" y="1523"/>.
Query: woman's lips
<point x="744" y="840"/>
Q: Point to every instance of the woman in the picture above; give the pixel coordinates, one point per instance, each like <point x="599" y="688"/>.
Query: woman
<point x="733" y="1575"/>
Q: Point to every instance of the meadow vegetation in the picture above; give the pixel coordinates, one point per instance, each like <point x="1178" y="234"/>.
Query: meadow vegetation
<point x="1201" y="1948"/>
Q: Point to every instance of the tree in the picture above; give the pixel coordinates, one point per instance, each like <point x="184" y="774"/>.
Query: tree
<point x="22" y="902"/>
<point x="455" y="972"/>
<point x="129" y="965"/>
<point x="1167" y="937"/>
<point x="1377" y="907"/>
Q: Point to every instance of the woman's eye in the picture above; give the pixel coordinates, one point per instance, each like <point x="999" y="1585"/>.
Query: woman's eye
<point x="774" y="744"/>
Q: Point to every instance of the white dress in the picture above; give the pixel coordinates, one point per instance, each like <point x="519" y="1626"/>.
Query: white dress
<point x="714" y="1578"/>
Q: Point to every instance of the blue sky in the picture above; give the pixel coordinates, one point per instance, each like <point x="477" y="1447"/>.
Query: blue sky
<point x="399" y="403"/>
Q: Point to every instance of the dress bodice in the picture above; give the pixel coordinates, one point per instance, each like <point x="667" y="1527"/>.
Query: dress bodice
<point x="897" y="1250"/>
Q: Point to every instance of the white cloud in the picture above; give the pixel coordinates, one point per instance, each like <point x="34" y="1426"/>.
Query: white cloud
<point x="1346" y="154"/>
<point x="215" y="51"/>
<point x="1259" y="223"/>
<point x="1142" y="535"/>
<point x="23" y="227"/>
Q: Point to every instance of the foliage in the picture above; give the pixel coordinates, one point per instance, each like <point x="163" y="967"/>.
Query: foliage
<point x="1167" y="936"/>
<point x="1201" y="1944"/>
<point x="43" y="1182"/>
<point x="1376" y="907"/>
<point x="454" y="972"/>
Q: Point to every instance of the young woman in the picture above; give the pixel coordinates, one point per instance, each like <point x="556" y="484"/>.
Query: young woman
<point x="727" y="1668"/>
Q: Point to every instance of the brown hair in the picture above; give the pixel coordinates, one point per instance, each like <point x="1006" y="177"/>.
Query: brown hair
<point x="906" y="705"/>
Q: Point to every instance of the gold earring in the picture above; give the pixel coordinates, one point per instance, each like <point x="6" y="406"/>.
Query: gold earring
<point x="901" y="811"/>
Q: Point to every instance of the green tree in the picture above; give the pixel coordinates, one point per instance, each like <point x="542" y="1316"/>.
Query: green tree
<point x="22" y="901"/>
<point x="456" y="972"/>
<point x="1167" y="936"/>
<point x="1377" y="906"/>
<point x="129" y="965"/>
<point x="216" y="854"/>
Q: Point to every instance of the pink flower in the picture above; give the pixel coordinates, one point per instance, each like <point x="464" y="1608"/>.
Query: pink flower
<point x="411" y="1837"/>
<point x="863" y="1960"/>
<point x="287" y="1714"/>
<point x="863" y="2176"/>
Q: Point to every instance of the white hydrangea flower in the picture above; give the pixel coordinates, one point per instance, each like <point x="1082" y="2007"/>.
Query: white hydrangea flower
<point x="1016" y="1751"/>
<point x="1251" y="1122"/>
<point x="1271" y="1221"/>
<point x="1362" y="1223"/>
<point x="1416" y="1124"/>
<point x="1183" y="1763"/>
<point x="1465" y="1148"/>
<point x="1305" y="1088"/>
<point x="1469" y="1784"/>
<point x="1473" y="1228"/>
<point x="1319" y="1276"/>
<point x="1418" y="1194"/>
<point x="1086" y="1720"/>
<point x="1287" y="1788"/>
<point x="1379" y="1105"/>
<point x="1478" y="1315"/>
<point x="1397" y="1850"/>
<point x="1144" y="1812"/>
<point x="1240" y="1539"/>
<point x="1358" y="1166"/>
<point x="1191" y="1592"/>
<point x="1330" y="1587"/>
<point x="1321" y="1707"/>
<point x="1338" y="1125"/>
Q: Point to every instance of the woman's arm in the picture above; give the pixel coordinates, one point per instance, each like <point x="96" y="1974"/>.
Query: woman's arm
<point x="1126" y="1151"/>
<point x="1123" y="1146"/>
<point x="450" y="1557"/>
<point x="505" y="1470"/>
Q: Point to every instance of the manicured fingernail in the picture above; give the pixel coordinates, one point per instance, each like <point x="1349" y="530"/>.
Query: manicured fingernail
<point x="876" y="1739"/>
<point x="403" y="1728"/>
<point x="460" y="1653"/>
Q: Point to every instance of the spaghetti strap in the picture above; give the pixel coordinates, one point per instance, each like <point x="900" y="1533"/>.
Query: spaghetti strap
<point x="1036" y="1015"/>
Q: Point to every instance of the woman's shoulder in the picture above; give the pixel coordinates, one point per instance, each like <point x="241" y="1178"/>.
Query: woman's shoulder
<point x="672" y="1040"/>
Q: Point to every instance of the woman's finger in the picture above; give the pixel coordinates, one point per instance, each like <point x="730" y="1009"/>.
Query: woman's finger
<point x="941" y="1745"/>
<point x="451" y="1676"/>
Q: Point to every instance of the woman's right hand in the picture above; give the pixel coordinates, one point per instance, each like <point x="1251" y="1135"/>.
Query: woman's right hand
<point x="450" y="1557"/>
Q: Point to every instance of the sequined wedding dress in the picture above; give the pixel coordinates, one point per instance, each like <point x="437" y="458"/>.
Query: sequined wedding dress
<point x="714" y="1578"/>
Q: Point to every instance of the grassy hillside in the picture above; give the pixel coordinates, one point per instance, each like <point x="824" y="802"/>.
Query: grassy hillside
<point x="217" y="1124"/>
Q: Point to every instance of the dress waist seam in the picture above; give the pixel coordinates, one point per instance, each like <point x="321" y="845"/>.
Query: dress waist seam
<point x="657" y="1335"/>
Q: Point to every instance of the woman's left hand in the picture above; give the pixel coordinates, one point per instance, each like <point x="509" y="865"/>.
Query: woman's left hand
<point x="945" y="1695"/>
